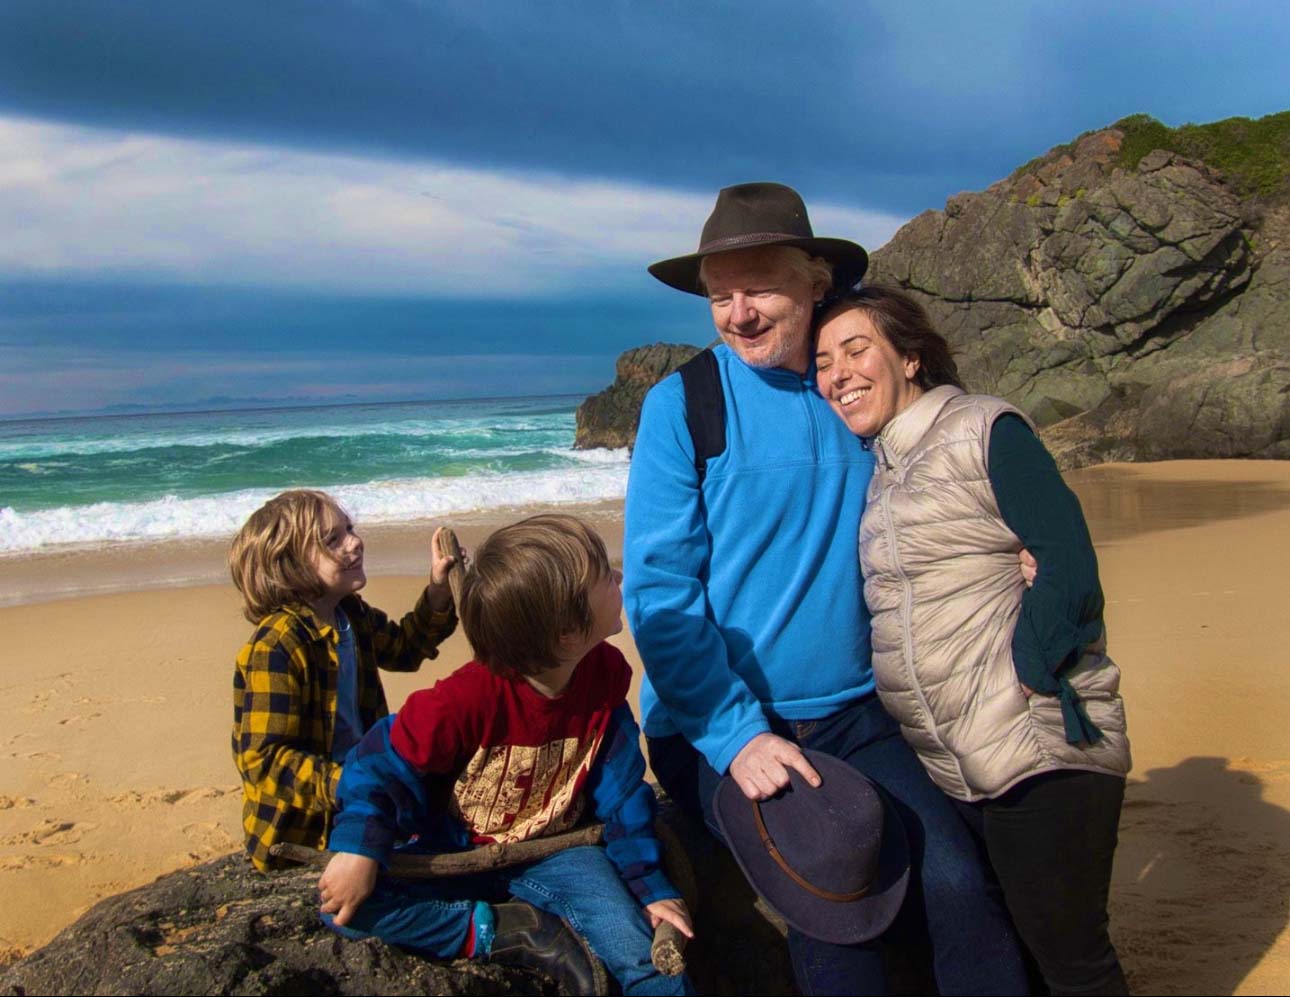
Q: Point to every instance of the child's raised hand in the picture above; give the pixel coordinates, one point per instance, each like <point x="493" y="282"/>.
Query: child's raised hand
<point x="673" y="912"/>
<point x="347" y="881"/>
<point x="439" y="562"/>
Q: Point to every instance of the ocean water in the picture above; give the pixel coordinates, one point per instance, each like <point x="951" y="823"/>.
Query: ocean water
<point x="102" y="479"/>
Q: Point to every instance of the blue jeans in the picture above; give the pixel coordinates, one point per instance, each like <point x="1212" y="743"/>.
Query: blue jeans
<point x="974" y="948"/>
<point x="580" y="885"/>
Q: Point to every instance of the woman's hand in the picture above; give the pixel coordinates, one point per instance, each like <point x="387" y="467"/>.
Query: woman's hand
<point x="347" y="881"/>
<point x="671" y="911"/>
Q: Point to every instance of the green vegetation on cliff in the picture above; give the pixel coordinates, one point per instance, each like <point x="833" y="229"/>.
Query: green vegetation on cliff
<point x="1254" y="154"/>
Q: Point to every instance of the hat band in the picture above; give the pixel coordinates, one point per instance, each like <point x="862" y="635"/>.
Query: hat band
<point x="751" y="238"/>
<point x="792" y="873"/>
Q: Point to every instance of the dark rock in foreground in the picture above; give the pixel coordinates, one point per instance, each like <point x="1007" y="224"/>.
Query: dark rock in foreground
<point x="222" y="928"/>
<point x="609" y="418"/>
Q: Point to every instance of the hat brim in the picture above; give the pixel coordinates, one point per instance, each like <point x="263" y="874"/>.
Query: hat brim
<point x="849" y="260"/>
<point x="848" y="923"/>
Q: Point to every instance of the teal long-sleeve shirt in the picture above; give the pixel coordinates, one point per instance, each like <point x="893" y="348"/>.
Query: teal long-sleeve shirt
<point x="1063" y="611"/>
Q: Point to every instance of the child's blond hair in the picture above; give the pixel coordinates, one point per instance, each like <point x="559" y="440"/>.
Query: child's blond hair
<point x="273" y="555"/>
<point x="528" y="586"/>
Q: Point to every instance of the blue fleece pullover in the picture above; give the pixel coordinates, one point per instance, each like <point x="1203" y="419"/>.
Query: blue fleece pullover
<point x="744" y="595"/>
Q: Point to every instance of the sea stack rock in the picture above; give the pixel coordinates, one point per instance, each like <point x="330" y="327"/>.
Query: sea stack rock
<point x="1133" y="303"/>
<point x="609" y="419"/>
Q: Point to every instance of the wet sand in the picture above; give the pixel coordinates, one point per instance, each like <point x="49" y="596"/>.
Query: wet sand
<point x="115" y="765"/>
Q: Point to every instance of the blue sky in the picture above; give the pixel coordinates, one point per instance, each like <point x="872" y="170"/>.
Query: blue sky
<point x="397" y="198"/>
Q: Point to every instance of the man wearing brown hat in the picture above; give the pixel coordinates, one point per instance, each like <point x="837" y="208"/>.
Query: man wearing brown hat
<point x="743" y="589"/>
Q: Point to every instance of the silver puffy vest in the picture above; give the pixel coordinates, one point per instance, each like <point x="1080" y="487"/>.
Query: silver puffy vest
<point x="942" y="583"/>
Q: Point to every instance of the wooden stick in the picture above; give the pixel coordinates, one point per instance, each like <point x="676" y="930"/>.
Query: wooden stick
<point x="447" y="546"/>
<point x="485" y="858"/>
<point x="667" y="951"/>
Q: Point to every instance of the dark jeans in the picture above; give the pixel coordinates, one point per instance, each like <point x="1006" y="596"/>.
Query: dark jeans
<point x="974" y="949"/>
<point x="1051" y="840"/>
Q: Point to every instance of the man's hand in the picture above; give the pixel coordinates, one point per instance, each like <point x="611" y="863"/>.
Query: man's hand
<point x="673" y="912"/>
<point x="1029" y="567"/>
<point x="347" y="881"/>
<point x="760" y="770"/>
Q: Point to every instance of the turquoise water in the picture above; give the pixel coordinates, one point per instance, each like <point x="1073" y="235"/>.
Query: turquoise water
<point x="157" y="476"/>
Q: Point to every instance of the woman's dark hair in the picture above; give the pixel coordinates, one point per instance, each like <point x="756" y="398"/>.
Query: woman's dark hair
<point x="904" y="324"/>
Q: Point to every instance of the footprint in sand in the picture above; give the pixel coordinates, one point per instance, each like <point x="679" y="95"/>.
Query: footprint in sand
<point x="50" y="832"/>
<point x="20" y="802"/>
<point x="171" y="796"/>
<point x="204" y="793"/>
<point x="66" y="780"/>
<point x="79" y="719"/>
<point x="17" y="863"/>
<point x="208" y="834"/>
<point x="41" y="756"/>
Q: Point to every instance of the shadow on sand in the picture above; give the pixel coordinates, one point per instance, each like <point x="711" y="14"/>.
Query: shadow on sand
<point x="1202" y="879"/>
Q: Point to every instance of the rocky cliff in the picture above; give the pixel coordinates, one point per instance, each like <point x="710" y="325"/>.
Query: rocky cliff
<point x="1134" y="304"/>
<point x="1128" y="291"/>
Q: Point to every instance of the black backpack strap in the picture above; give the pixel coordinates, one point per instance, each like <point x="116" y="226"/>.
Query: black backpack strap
<point x="705" y="408"/>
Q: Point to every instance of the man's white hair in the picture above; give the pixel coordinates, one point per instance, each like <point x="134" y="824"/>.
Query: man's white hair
<point x="815" y="269"/>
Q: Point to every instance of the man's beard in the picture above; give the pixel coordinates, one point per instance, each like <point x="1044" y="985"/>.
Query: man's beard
<point x="789" y="349"/>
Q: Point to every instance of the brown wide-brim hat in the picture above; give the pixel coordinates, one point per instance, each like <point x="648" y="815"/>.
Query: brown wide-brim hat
<point x="749" y="215"/>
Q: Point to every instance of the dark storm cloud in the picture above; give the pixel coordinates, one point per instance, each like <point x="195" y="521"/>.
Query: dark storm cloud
<point x="889" y="107"/>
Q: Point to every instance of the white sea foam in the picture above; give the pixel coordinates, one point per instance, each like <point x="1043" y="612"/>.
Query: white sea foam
<point x="593" y="475"/>
<point x="443" y="430"/>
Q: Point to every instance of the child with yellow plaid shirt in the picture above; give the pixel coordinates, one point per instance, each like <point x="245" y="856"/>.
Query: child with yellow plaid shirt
<point x="306" y="686"/>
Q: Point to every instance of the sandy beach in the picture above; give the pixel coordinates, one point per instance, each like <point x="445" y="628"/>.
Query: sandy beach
<point x="115" y="765"/>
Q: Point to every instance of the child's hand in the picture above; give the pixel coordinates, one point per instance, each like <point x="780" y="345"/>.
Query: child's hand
<point x="439" y="563"/>
<point x="440" y="593"/>
<point x="347" y="881"/>
<point x="673" y="912"/>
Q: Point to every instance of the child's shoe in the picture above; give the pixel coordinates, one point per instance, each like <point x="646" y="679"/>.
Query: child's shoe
<point x="533" y="939"/>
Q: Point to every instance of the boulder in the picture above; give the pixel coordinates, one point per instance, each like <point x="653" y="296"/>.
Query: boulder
<point x="222" y="928"/>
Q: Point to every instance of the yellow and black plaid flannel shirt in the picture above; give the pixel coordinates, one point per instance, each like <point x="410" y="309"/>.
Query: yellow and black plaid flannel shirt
<point x="284" y="711"/>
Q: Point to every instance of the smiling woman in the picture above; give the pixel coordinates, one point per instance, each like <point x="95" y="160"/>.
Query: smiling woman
<point x="1005" y="692"/>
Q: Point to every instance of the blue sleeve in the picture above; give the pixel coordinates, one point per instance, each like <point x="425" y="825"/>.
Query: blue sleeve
<point x="381" y="798"/>
<point x="666" y="553"/>
<point x="625" y="803"/>
<point x="1062" y="612"/>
